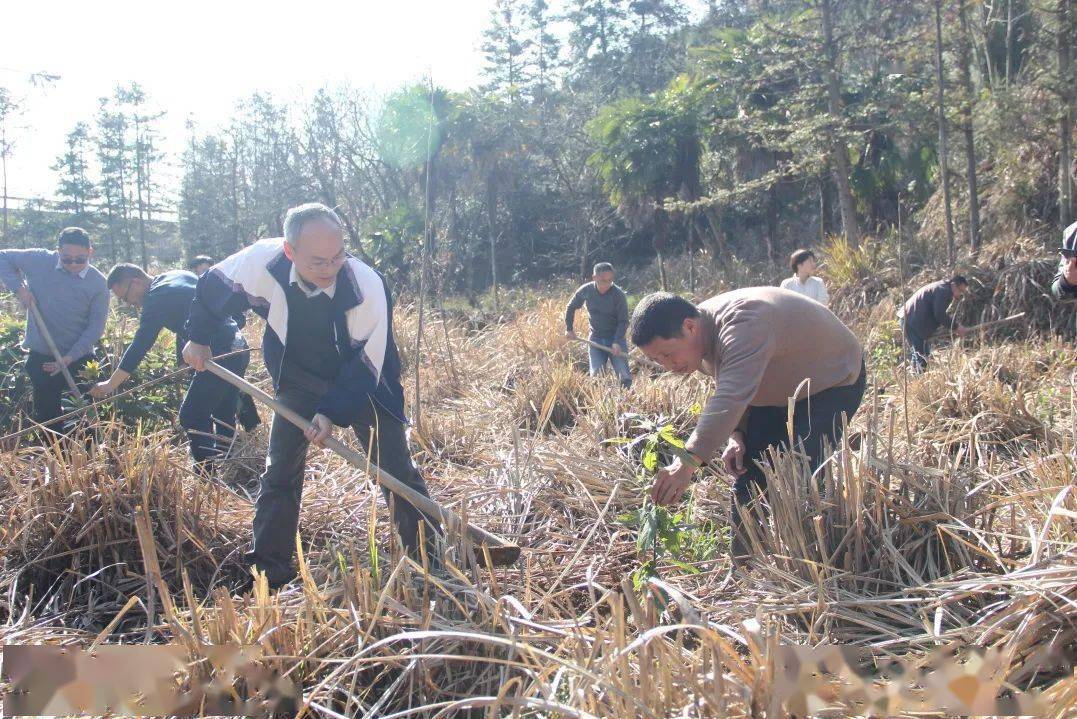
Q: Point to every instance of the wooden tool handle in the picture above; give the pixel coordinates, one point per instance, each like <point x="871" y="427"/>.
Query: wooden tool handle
<point x="40" y="321"/>
<point x="502" y="551"/>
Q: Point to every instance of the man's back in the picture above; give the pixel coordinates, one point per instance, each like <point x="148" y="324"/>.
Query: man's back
<point x="925" y="311"/>
<point x="798" y="337"/>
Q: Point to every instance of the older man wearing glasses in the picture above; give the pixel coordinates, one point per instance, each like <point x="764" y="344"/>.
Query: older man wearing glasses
<point x="73" y="300"/>
<point x="329" y="347"/>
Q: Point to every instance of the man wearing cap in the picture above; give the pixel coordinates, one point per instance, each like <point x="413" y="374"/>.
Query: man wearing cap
<point x="72" y="298"/>
<point x="1065" y="285"/>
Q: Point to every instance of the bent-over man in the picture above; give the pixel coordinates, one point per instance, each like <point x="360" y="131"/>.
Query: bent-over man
<point x="925" y="312"/>
<point x="329" y="348"/>
<point x="72" y="298"/>
<point x="759" y="344"/>
<point x="209" y="407"/>
<point x="607" y="310"/>
<point x="246" y="411"/>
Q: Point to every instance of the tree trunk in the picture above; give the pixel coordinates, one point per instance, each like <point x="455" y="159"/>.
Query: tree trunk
<point x="944" y="173"/>
<point x="970" y="146"/>
<point x="826" y="207"/>
<point x="491" y="219"/>
<point x="839" y="153"/>
<point x="1065" y="122"/>
<point x="1009" y="37"/>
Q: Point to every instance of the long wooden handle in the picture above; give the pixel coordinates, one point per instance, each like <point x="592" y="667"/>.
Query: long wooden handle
<point x="642" y="360"/>
<point x="992" y="323"/>
<point x="501" y="550"/>
<point x="40" y="321"/>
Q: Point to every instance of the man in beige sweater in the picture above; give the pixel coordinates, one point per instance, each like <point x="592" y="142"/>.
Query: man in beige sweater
<point x="759" y="344"/>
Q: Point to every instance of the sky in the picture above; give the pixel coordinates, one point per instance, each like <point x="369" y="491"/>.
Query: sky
<point x="196" y="59"/>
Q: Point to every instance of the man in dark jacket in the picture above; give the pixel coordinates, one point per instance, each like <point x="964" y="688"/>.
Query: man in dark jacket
<point x="607" y="311"/>
<point x="246" y="411"/>
<point x="329" y="348"/>
<point x="925" y="312"/>
<point x="1065" y="285"/>
<point x="209" y="407"/>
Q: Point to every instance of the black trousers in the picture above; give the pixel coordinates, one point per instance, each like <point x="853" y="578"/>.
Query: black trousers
<point x="817" y="422"/>
<point x="208" y="412"/>
<point x="48" y="389"/>
<point x="276" y="513"/>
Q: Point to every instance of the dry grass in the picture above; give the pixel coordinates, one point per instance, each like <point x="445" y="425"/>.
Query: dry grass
<point x="949" y="515"/>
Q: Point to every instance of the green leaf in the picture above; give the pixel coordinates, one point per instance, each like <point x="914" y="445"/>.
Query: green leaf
<point x="650" y="459"/>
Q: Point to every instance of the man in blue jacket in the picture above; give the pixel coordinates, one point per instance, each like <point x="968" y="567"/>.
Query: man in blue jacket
<point x="208" y="412"/>
<point x="329" y="348"/>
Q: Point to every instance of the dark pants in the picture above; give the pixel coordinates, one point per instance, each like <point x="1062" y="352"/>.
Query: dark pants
<point x="276" y="514"/>
<point x="917" y="349"/>
<point x="208" y="412"/>
<point x="597" y="360"/>
<point x="817" y="422"/>
<point x="48" y="389"/>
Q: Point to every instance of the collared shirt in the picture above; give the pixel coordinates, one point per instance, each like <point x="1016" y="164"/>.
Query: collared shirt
<point x="74" y="306"/>
<point x="81" y="273"/>
<point x="308" y="289"/>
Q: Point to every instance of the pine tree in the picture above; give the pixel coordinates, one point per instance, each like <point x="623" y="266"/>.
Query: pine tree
<point x="76" y="190"/>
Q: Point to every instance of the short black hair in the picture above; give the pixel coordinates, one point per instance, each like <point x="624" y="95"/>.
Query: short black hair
<point x="659" y="314"/>
<point x="800" y="257"/>
<point x="959" y="280"/>
<point x="73" y="236"/>
<point x="602" y="267"/>
<point x="122" y="272"/>
<point x="200" y="260"/>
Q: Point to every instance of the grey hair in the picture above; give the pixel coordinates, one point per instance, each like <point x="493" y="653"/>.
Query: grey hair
<point x="603" y="267"/>
<point x="300" y="215"/>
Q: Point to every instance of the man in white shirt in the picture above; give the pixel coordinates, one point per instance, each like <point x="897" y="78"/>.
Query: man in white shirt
<point x="803" y="280"/>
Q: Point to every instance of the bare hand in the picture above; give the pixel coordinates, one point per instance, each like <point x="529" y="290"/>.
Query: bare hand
<point x="671" y="483"/>
<point x="616" y="350"/>
<point x="25" y="296"/>
<point x="320" y="429"/>
<point x="101" y="390"/>
<point x="571" y="335"/>
<point x="197" y="355"/>
<point x="55" y="368"/>
<point x="733" y="456"/>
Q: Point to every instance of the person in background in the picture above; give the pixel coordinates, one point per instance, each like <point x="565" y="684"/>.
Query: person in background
<point x="759" y="344"/>
<point x="246" y="410"/>
<point x="329" y="348"/>
<point x="804" y="281"/>
<point x="607" y="310"/>
<point x="925" y="312"/>
<point x="208" y="409"/>
<point x="1065" y="285"/>
<point x="199" y="264"/>
<point x="72" y="298"/>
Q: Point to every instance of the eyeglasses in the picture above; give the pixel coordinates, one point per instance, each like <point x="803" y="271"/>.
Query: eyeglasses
<point x="75" y="260"/>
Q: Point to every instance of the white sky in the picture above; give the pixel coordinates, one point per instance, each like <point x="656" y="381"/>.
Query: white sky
<point x="196" y="59"/>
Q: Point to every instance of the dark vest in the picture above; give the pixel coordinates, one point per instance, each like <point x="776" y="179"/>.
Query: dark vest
<point x="312" y="346"/>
